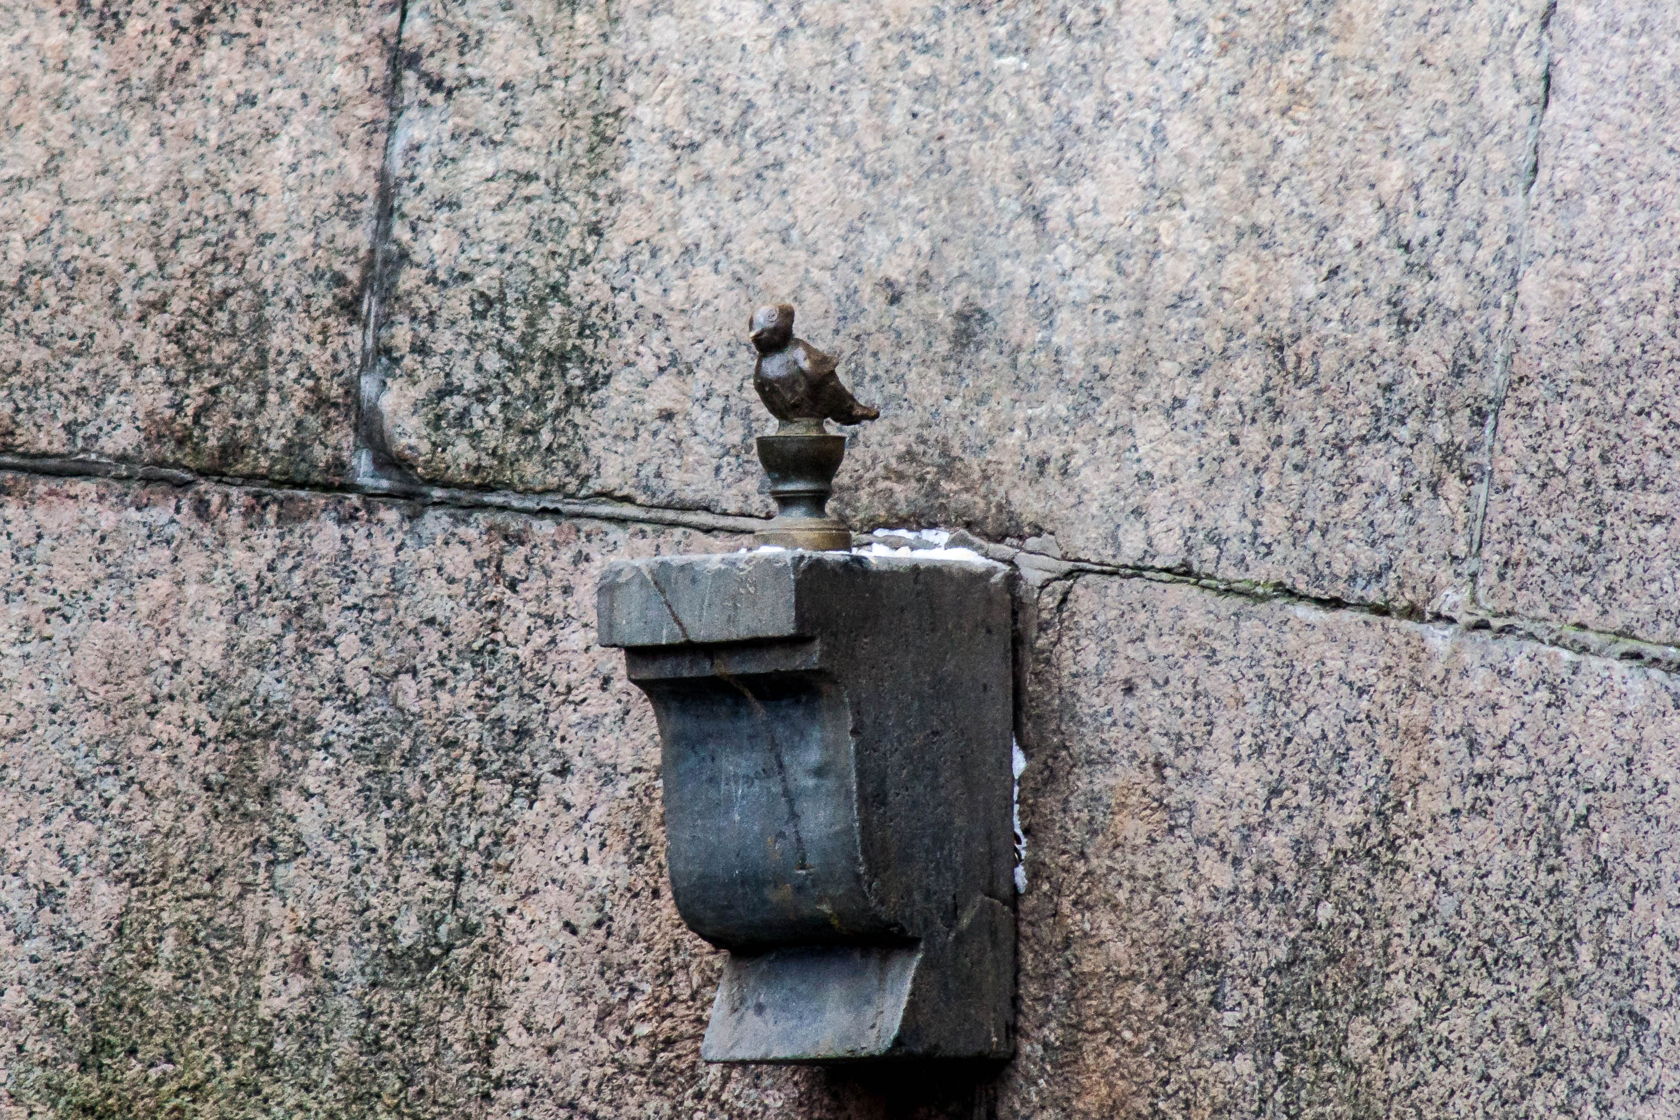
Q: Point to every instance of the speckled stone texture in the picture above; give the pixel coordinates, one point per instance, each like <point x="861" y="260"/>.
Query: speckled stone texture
<point x="1185" y="286"/>
<point x="324" y="807"/>
<point x="1582" y="523"/>
<point x="189" y="201"/>
<point x="330" y="807"/>
<point x="333" y="809"/>
<point x="1287" y="863"/>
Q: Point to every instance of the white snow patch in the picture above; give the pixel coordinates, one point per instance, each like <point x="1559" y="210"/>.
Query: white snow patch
<point x="962" y="555"/>
<point x="1019" y="765"/>
<point x="928" y="544"/>
<point x="938" y="538"/>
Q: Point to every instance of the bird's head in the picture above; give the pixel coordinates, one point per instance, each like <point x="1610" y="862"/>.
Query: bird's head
<point x="771" y="327"/>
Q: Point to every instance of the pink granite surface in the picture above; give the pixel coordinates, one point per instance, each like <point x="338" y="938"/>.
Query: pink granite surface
<point x="1584" y="517"/>
<point x="189" y="199"/>
<point x="323" y="807"/>
<point x="1294" y="863"/>
<point x="1184" y="285"/>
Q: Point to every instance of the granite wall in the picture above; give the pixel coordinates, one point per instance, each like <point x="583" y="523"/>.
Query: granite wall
<point x="1311" y="362"/>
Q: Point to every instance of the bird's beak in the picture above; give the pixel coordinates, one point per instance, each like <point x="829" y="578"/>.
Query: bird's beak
<point x="756" y="335"/>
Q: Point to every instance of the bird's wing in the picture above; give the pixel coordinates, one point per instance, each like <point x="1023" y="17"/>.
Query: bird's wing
<point x="818" y="367"/>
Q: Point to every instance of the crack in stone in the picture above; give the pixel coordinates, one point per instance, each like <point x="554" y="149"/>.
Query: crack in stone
<point x="670" y="611"/>
<point x="802" y="861"/>
<point x="511" y="501"/>
<point x="1039" y="570"/>
<point x="1505" y="352"/>
<point x="1563" y="637"/>
<point x="373" y="464"/>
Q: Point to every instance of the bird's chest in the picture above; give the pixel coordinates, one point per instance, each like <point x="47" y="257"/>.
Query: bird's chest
<point x="781" y="374"/>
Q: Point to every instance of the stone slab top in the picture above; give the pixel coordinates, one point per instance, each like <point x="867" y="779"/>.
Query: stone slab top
<point x="763" y="594"/>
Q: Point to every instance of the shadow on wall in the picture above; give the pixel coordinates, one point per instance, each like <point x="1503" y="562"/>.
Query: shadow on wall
<point x="914" y="1091"/>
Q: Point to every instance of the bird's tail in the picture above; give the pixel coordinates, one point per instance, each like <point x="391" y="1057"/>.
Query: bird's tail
<point x="857" y="413"/>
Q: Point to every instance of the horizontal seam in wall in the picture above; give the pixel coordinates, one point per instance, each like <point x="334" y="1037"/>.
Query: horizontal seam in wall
<point x="1577" y="640"/>
<point x="501" y="501"/>
<point x="1036" y="568"/>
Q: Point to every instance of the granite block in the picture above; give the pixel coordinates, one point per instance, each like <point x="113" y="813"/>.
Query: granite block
<point x="1581" y="524"/>
<point x="1186" y="286"/>
<point x="332" y="808"/>
<point x="190" y="195"/>
<point x="1291" y="863"/>
<point x="302" y="797"/>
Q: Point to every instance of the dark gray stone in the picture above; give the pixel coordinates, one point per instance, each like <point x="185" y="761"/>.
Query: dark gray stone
<point x="836" y="734"/>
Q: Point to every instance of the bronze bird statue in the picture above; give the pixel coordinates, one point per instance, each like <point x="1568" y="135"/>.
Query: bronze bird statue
<point x="794" y="379"/>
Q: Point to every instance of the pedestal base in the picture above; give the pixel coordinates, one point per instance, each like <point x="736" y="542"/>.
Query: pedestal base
<point x="819" y="536"/>
<point x="801" y="466"/>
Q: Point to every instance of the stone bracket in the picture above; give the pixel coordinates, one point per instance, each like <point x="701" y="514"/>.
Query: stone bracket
<point x="836" y="744"/>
